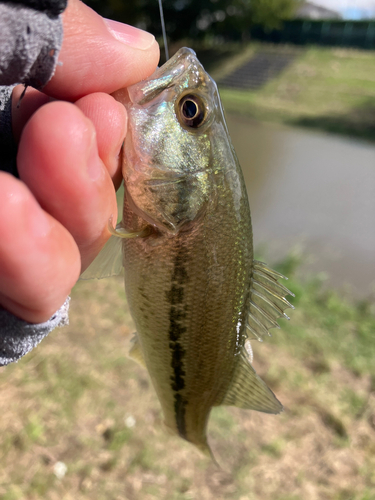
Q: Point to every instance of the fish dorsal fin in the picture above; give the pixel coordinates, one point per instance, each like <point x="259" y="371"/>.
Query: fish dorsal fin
<point x="267" y="301"/>
<point x="135" y="351"/>
<point x="248" y="391"/>
<point x="107" y="263"/>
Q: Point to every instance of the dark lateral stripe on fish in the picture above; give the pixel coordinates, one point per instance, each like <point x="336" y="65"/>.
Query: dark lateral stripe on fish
<point x="180" y="409"/>
<point x="177" y="315"/>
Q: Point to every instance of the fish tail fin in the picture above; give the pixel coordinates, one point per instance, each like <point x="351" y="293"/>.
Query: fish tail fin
<point x="202" y="445"/>
<point x="207" y="452"/>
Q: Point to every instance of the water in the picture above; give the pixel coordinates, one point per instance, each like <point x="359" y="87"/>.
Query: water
<point x="313" y="191"/>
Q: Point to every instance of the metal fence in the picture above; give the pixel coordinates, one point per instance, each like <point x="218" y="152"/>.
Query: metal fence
<point x="340" y="33"/>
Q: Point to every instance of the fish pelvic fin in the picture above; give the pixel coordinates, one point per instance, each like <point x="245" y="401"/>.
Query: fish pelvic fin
<point x="267" y="301"/>
<point x="107" y="263"/>
<point x="109" y="260"/>
<point x="248" y="391"/>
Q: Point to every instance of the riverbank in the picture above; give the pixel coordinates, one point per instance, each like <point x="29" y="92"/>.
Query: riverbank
<point x="80" y="420"/>
<point x="324" y="88"/>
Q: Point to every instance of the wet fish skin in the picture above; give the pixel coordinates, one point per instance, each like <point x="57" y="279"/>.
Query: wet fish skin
<point x="190" y="282"/>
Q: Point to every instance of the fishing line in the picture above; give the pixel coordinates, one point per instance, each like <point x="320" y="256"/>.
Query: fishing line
<point x="163" y="29"/>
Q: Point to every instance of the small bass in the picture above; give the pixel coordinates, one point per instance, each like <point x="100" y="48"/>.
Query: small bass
<point x="194" y="291"/>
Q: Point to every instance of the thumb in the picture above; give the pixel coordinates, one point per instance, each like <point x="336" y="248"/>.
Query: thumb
<point x="99" y="55"/>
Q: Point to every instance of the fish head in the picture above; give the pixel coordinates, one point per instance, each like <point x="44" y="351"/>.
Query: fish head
<point x="168" y="165"/>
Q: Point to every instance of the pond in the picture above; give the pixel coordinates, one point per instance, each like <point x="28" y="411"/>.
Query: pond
<point x="313" y="191"/>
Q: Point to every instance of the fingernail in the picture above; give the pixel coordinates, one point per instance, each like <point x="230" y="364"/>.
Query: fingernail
<point x="134" y="37"/>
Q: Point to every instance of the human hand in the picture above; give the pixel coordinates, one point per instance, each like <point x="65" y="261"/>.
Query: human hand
<point x="53" y="221"/>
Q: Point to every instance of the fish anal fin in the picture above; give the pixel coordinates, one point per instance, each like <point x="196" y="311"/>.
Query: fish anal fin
<point x="267" y="303"/>
<point x="135" y="351"/>
<point x="248" y="391"/>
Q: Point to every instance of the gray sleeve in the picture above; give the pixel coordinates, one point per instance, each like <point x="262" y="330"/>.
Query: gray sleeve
<point x="31" y="34"/>
<point x="30" y="40"/>
<point x="17" y="337"/>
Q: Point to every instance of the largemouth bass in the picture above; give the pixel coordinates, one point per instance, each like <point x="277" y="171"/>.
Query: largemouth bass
<point x="194" y="291"/>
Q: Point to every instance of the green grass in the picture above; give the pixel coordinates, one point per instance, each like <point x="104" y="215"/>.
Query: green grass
<point x="71" y="400"/>
<point x="325" y="88"/>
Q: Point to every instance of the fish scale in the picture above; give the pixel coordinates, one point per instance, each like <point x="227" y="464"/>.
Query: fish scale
<point x="210" y="302"/>
<point x="194" y="291"/>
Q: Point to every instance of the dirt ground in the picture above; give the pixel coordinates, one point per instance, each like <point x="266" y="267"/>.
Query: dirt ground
<point x="79" y="420"/>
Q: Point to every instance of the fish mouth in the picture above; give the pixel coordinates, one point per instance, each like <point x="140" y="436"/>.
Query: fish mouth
<point x="182" y="70"/>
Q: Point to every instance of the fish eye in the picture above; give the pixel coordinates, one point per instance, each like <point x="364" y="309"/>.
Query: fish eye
<point x="192" y="110"/>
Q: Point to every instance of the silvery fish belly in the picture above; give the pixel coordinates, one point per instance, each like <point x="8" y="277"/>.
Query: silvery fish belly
<point x="195" y="293"/>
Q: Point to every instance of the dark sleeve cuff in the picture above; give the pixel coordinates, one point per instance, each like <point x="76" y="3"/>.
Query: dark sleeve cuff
<point x="17" y="337"/>
<point x="8" y="147"/>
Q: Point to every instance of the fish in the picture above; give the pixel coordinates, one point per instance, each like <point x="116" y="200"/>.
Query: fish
<point x="195" y="292"/>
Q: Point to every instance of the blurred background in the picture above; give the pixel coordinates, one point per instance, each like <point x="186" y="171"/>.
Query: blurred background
<point x="81" y="420"/>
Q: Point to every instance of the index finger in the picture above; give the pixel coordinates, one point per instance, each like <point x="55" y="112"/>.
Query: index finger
<point x="99" y="55"/>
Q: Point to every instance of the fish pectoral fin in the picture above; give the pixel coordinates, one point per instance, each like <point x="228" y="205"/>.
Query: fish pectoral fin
<point x="135" y="351"/>
<point x="107" y="263"/>
<point x="248" y="391"/>
<point x="267" y="301"/>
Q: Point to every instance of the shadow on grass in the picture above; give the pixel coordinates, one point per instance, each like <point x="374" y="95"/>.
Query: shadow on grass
<point x="359" y="122"/>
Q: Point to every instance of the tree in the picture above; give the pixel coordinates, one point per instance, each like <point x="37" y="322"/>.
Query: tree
<point x="193" y="19"/>
<point x="271" y="13"/>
